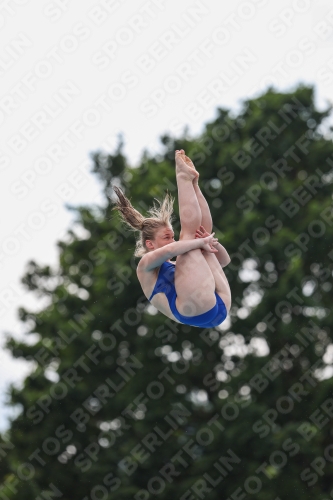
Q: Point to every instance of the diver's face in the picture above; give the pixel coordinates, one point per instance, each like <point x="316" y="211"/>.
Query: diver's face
<point x="163" y="236"/>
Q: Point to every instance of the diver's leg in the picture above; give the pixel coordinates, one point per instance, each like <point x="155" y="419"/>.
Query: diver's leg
<point x="221" y="282"/>
<point x="194" y="281"/>
<point x="222" y="287"/>
<point x="206" y="218"/>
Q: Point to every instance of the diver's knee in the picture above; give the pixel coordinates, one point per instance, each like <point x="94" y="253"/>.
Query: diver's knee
<point x="185" y="235"/>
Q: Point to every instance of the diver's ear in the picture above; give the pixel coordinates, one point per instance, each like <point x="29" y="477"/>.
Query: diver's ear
<point x="149" y="245"/>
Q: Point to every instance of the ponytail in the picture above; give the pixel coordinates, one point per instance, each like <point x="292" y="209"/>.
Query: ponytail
<point x="160" y="217"/>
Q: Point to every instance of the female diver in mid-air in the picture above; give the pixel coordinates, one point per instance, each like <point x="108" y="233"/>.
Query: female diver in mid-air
<point x="193" y="290"/>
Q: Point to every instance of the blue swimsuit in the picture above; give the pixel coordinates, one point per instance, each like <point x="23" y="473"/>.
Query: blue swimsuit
<point x="165" y="283"/>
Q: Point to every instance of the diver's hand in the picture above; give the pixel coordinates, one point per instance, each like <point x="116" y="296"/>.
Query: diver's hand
<point x="209" y="242"/>
<point x="201" y="233"/>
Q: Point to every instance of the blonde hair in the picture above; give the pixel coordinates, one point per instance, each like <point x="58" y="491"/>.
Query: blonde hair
<point x="161" y="216"/>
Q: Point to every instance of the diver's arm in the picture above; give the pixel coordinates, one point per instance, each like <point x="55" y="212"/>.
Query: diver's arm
<point x="156" y="258"/>
<point x="222" y="255"/>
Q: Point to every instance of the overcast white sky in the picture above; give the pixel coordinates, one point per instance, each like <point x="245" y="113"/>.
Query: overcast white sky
<point x="76" y="73"/>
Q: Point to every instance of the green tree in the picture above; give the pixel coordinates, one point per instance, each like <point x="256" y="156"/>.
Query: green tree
<point x="124" y="403"/>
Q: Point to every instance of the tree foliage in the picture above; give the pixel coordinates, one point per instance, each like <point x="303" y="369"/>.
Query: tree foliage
<point x="124" y="403"/>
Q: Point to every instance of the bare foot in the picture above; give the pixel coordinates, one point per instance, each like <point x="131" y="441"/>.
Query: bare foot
<point x="190" y="163"/>
<point x="184" y="165"/>
<point x="182" y="168"/>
